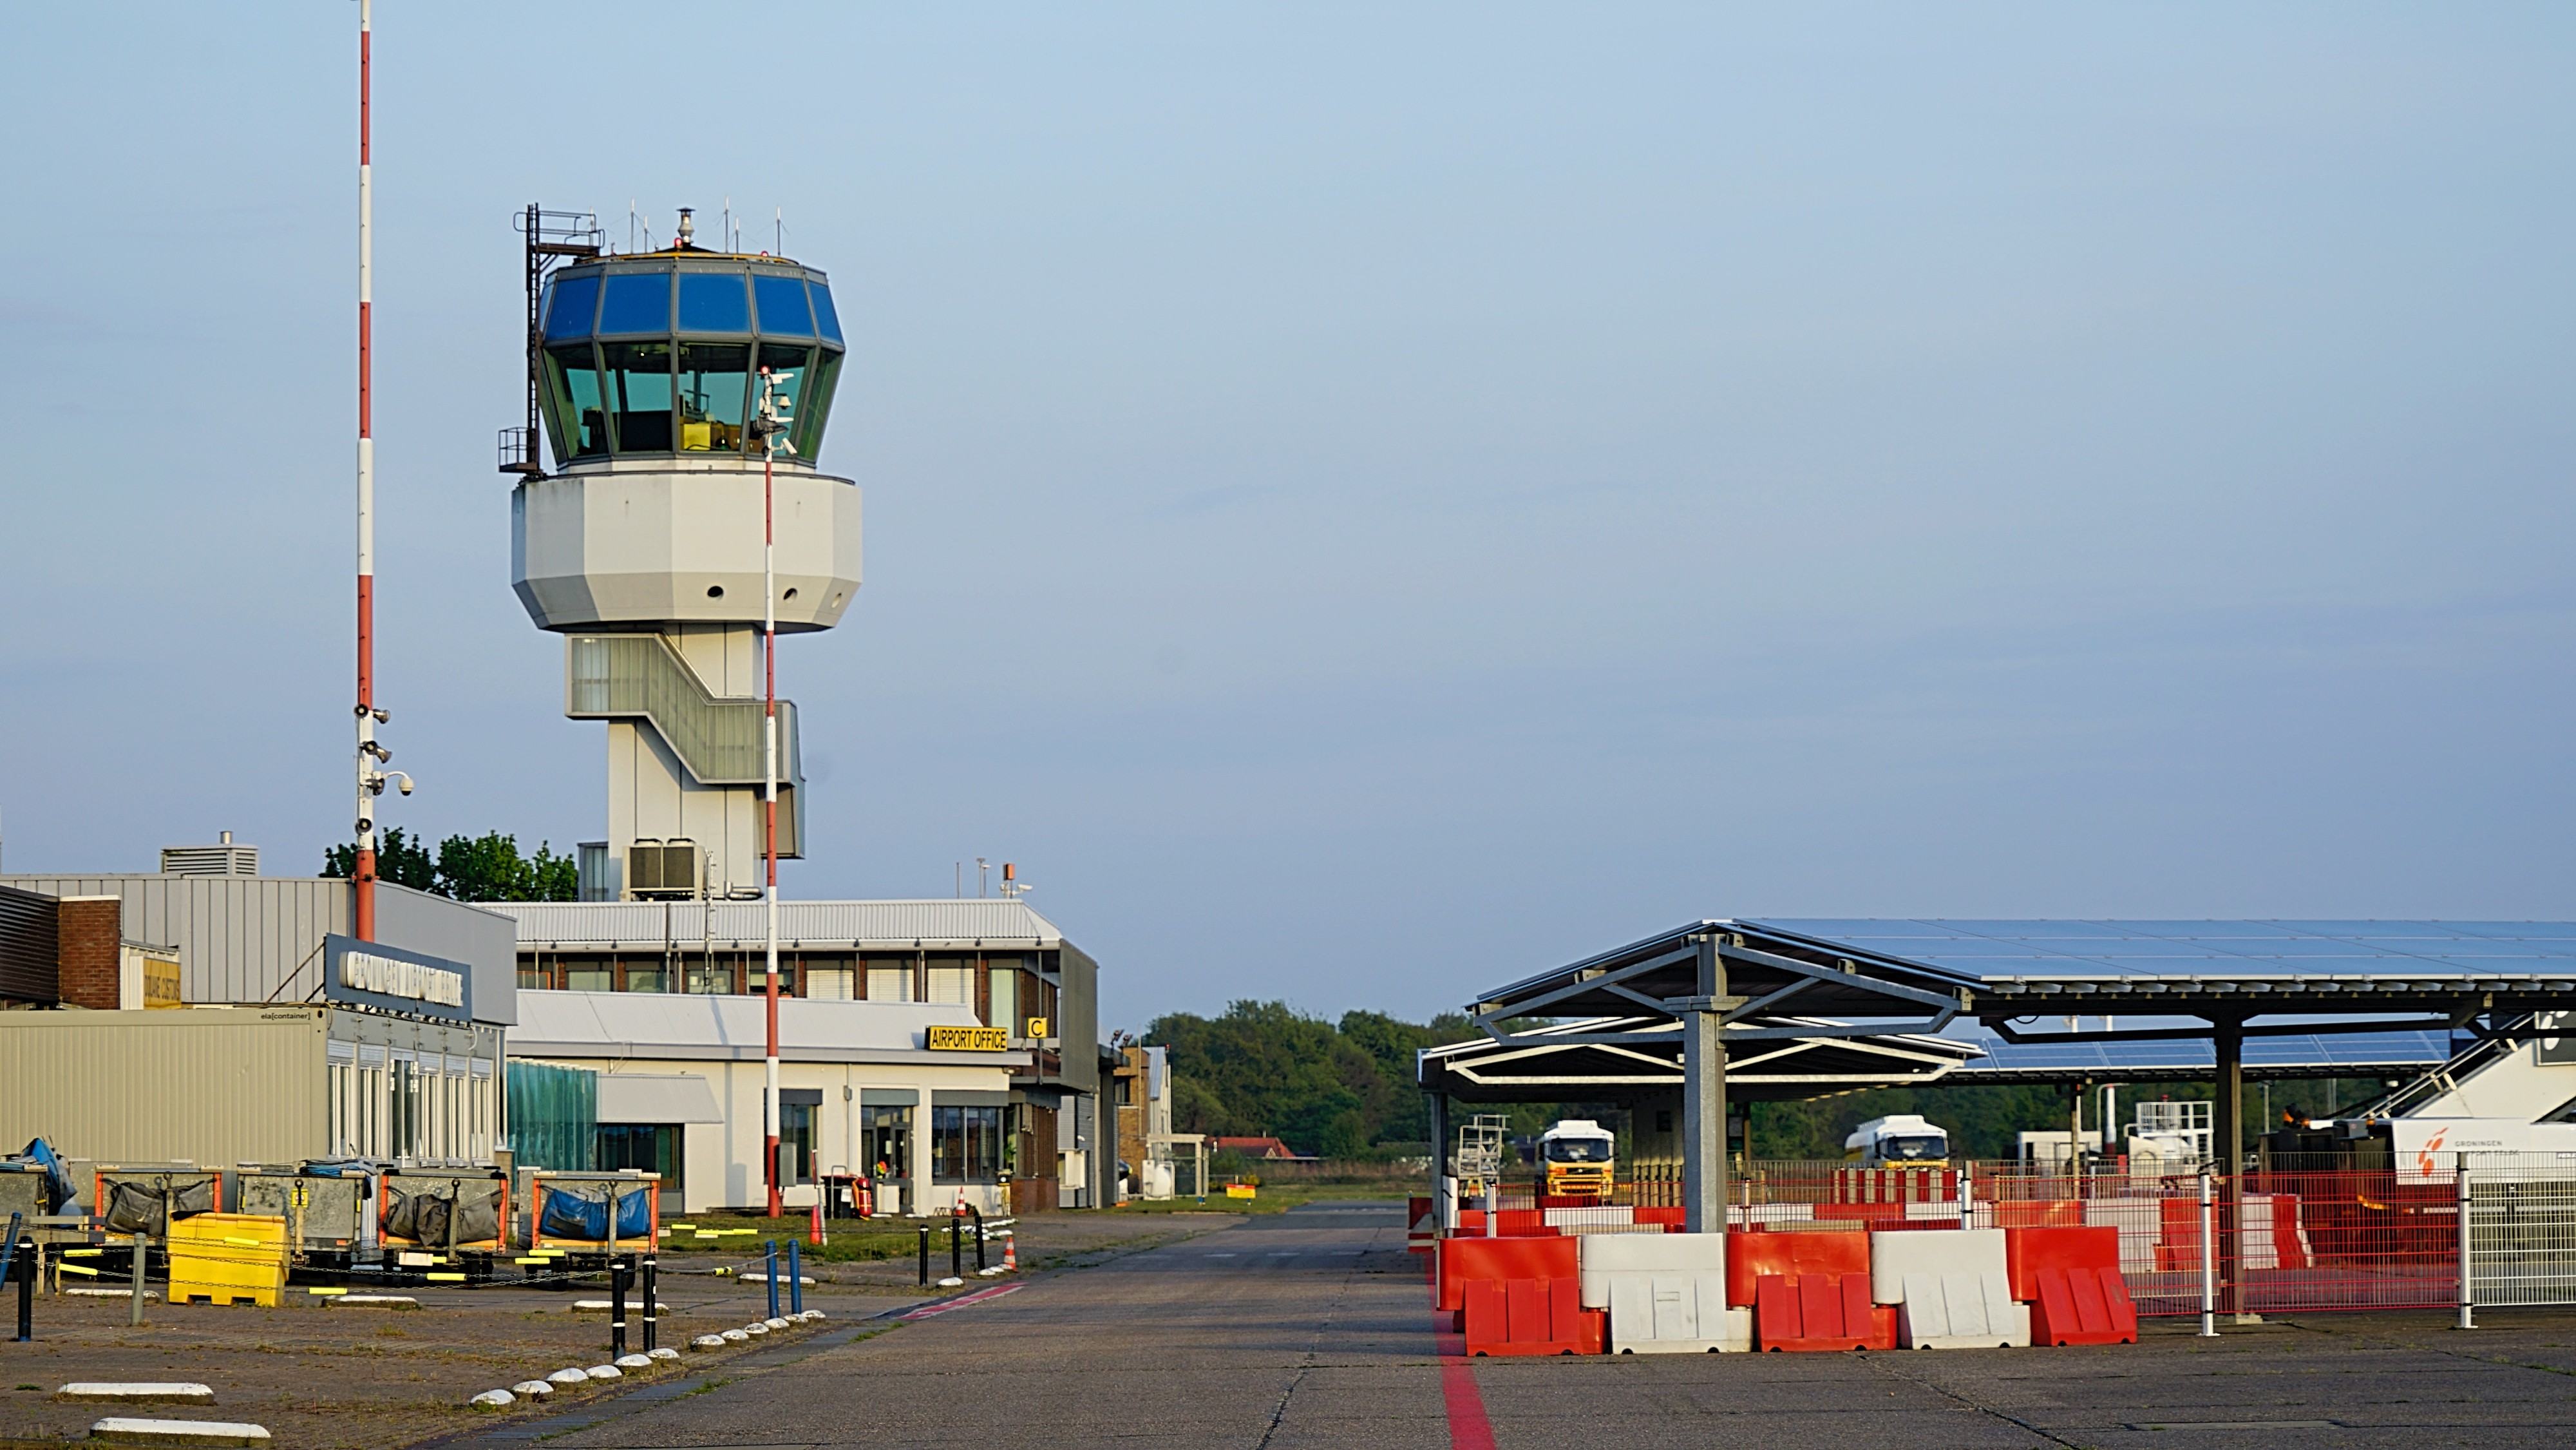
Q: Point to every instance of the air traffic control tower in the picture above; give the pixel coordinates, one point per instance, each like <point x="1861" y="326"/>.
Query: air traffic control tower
<point x="643" y="547"/>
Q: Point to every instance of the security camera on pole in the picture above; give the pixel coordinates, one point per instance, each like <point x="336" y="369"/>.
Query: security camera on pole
<point x="769" y="429"/>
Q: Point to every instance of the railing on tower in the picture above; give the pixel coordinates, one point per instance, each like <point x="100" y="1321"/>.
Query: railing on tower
<point x="718" y="740"/>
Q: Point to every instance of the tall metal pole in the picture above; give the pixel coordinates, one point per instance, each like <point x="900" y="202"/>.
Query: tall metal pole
<point x="364" y="874"/>
<point x="769" y="768"/>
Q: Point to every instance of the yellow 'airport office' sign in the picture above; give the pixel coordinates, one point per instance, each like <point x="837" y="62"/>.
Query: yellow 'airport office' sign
<point x="970" y="1039"/>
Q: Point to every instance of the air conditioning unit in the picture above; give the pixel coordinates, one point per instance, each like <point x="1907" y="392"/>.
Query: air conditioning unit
<point x="222" y="859"/>
<point x="662" y="870"/>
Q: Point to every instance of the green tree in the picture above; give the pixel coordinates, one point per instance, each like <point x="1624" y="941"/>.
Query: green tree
<point x="466" y="868"/>
<point x="400" y="859"/>
<point x="1340" y="1090"/>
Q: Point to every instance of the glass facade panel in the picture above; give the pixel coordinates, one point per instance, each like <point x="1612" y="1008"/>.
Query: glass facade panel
<point x="823" y="313"/>
<point x="1006" y="999"/>
<point x="783" y="310"/>
<point x="636" y="302"/>
<point x="714" y="302"/>
<point x="639" y="394"/>
<point x="569" y="304"/>
<point x="965" y="1145"/>
<point x="807" y="435"/>
<point x="714" y="379"/>
<point x="580" y="425"/>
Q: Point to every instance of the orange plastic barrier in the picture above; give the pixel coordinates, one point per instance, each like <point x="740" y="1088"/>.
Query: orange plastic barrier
<point x="1751" y="1256"/>
<point x="2027" y="1251"/>
<point x="1671" y="1218"/>
<point x="1819" y="1311"/>
<point x="1516" y="1222"/>
<point x="1422" y="1229"/>
<point x="2013" y="1213"/>
<point x="1530" y="1316"/>
<point x="2083" y="1306"/>
<point x="1464" y="1261"/>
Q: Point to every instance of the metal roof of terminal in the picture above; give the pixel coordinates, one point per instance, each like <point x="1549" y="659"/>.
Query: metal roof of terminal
<point x="930" y="924"/>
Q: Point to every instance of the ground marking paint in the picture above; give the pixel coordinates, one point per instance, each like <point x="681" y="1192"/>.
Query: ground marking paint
<point x="977" y="1297"/>
<point x="1465" y="1403"/>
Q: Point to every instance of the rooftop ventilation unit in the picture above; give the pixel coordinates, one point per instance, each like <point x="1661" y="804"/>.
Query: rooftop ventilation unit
<point x="662" y="870"/>
<point x="224" y="859"/>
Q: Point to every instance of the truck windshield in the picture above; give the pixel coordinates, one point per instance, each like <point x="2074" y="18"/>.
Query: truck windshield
<point x="1914" y="1149"/>
<point x="1578" y="1150"/>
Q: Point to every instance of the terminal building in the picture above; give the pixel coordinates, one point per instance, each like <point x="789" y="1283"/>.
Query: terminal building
<point x="1006" y="1118"/>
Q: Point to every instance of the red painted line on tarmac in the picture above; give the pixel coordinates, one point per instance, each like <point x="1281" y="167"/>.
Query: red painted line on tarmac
<point x="1468" y="1427"/>
<point x="975" y="1298"/>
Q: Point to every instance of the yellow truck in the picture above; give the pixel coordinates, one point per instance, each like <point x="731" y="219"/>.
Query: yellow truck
<point x="1580" y="1158"/>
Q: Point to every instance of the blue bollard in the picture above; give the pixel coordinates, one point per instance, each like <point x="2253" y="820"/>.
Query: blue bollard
<point x="773" y="1278"/>
<point x="795" y="1279"/>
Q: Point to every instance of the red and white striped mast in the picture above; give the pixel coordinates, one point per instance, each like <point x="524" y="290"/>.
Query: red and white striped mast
<point x="370" y="781"/>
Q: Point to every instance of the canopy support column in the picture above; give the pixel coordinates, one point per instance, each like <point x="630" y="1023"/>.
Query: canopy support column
<point x="1703" y="1017"/>
<point x="2227" y="1145"/>
<point x="1444" y="1185"/>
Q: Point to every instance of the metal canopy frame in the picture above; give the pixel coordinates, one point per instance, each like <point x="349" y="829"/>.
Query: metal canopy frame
<point x="1660" y="977"/>
<point x="1616" y="1059"/>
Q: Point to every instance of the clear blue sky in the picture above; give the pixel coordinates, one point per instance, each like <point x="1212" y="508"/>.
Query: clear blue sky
<point x="1364" y="502"/>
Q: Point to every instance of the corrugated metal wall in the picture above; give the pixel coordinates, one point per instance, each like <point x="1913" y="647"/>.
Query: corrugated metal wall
<point x="29" y="947"/>
<point x="258" y="938"/>
<point x="217" y="1086"/>
<point x="481" y="938"/>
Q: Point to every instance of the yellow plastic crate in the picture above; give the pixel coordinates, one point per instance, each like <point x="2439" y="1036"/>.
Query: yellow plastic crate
<point x="229" y="1258"/>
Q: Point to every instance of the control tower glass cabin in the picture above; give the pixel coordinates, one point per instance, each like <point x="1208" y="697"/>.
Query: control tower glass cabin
<point x="643" y="548"/>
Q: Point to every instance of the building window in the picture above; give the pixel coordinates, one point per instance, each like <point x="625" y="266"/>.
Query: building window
<point x="796" y="1142"/>
<point x="890" y="984"/>
<point x="965" y="1145"/>
<point x="889" y="1142"/>
<point x="535" y="979"/>
<point x="647" y="979"/>
<point x="952" y="981"/>
<point x="711" y="979"/>
<point x="829" y="984"/>
<point x="648" y="1147"/>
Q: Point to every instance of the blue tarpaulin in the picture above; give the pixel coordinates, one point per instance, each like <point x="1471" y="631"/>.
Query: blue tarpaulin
<point x="572" y="1215"/>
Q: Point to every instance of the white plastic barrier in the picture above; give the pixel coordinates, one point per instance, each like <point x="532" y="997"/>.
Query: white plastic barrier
<point x="1961" y="1311"/>
<point x="1748" y="1214"/>
<point x="1666" y="1293"/>
<point x="1601" y="1214"/>
<point x="1949" y="1288"/>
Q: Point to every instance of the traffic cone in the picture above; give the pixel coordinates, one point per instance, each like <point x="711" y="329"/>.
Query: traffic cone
<point x="1011" y="1254"/>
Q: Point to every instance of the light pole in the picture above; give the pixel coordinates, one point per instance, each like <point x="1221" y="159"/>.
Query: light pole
<point x="771" y="429"/>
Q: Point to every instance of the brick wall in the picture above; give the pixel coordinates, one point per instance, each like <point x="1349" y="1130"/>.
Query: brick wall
<point x="89" y="929"/>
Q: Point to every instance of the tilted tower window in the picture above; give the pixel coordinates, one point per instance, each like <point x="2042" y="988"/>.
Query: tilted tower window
<point x="659" y="359"/>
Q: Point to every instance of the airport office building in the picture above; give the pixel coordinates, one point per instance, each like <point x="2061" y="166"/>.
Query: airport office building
<point x="947" y="1042"/>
